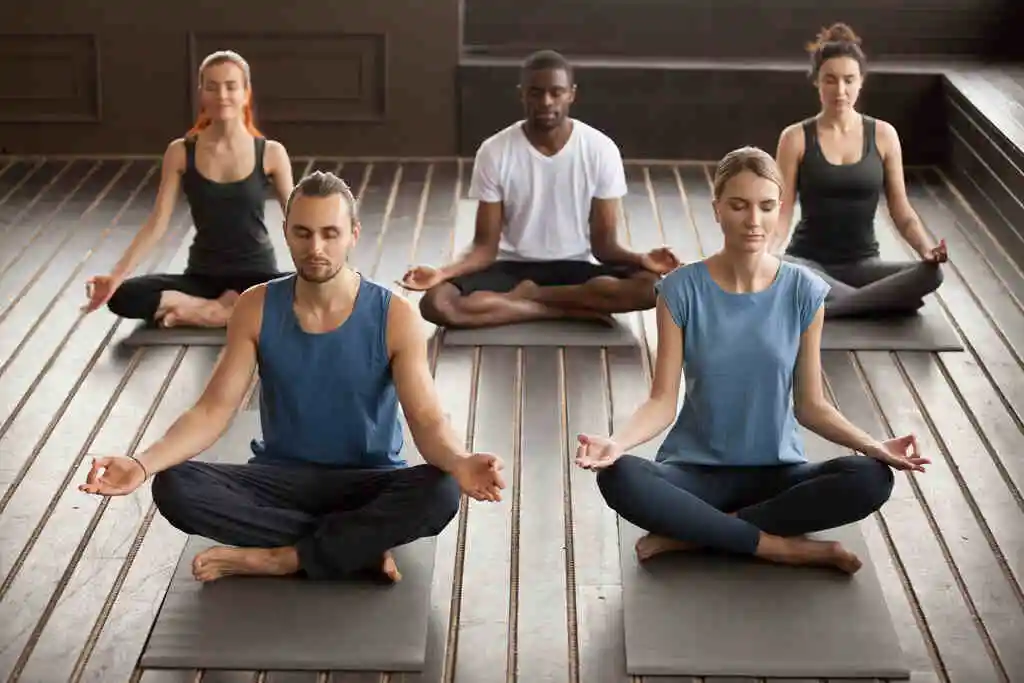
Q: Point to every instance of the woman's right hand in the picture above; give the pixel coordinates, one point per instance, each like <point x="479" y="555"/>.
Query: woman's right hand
<point x="113" y="476"/>
<point x="596" y="452"/>
<point x="99" y="289"/>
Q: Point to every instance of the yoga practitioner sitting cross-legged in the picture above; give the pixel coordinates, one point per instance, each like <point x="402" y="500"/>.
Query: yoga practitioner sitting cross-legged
<point x="838" y="163"/>
<point x="327" y="493"/>
<point x="744" y="328"/>
<point x="549" y="189"/>
<point x="223" y="165"/>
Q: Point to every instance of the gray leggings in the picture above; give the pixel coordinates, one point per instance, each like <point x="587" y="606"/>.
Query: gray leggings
<point x="873" y="286"/>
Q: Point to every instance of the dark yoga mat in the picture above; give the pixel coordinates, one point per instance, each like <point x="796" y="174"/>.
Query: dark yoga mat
<point x="150" y="335"/>
<point x="929" y="330"/>
<point x="252" y="623"/>
<point x="705" y="614"/>
<point x="545" y="333"/>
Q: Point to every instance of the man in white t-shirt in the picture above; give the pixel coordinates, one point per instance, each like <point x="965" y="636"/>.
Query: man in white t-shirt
<point x="545" y="242"/>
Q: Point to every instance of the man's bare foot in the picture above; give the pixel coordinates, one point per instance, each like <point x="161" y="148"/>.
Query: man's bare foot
<point x="390" y="568"/>
<point x="803" y="551"/>
<point x="650" y="545"/>
<point x="526" y="290"/>
<point x="220" y="561"/>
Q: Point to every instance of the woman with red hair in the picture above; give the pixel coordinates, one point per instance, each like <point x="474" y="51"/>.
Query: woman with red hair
<point x="224" y="165"/>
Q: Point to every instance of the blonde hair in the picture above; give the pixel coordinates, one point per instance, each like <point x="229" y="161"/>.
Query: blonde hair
<point x="753" y="159"/>
<point x="226" y="57"/>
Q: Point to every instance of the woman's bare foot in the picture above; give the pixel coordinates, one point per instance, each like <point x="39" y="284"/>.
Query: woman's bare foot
<point x="390" y="568"/>
<point x="650" y="545"/>
<point x="220" y="561"/>
<point x="802" y="551"/>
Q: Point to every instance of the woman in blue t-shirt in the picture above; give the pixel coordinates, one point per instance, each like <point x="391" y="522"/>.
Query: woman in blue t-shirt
<point x="731" y="474"/>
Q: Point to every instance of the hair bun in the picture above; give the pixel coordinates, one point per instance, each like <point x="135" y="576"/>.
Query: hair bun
<point x="836" y="33"/>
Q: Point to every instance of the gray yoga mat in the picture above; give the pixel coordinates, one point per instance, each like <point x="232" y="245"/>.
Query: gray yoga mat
<point x="544" y="333"/>
<point x="256" y="623"/>
<point x="149" y="335"/>
<point x="929" y="330"/>
<point x="706" y="614"/>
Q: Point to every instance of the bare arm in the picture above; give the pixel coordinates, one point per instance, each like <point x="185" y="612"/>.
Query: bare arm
<point x="172" y="167"/>
<point x="431" y="431"/>
<point x="604" y="243"/>
<point x="486" y="237"/>
<point x="788" y="155"/>
<point x="202" y="424"/>
<point x="279" y="168"/>
<point x="813" y="410"/>
<point x="658" y="411"/>
<point x="903" y="215"/>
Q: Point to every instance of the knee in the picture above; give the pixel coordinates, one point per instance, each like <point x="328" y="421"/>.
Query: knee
<point x="438" y="305"/>
<point x="873" y="479"/>
<point x="613" y="484"/>
<point x="648" y="296"/>
<point x="444" y="499"/>
<point x="129" y="300"/>
<point x="936" y="276"/>
<point x="170" y="489"/>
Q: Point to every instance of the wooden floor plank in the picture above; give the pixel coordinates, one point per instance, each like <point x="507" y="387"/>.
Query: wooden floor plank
<point x="543" y="631"/>
<point x="23" y="196"/>
<point x="28" y="238"/>
<point x="594" y="528"/>
<point x="488" y="588"/>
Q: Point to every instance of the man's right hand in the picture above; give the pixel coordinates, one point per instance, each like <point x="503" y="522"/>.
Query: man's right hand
<point x="113" y="476"/>
<point x="99" y="289"/>
<point x="421" y="278"/>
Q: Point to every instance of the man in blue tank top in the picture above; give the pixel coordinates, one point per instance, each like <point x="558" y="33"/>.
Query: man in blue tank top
<point x="327" y="493"/>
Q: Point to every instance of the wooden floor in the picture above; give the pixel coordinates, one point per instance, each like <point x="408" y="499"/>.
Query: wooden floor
<point x="527" y="589"/>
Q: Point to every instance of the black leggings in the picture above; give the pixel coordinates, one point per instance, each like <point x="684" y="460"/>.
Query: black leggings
<point x="341" y="521"/>
<point x="875" y="287"/>
<point x="692" y="503"/>
<point x="139" y="297"/>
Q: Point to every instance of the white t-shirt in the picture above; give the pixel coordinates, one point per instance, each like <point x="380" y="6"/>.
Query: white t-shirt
<point x="547" y="200"/>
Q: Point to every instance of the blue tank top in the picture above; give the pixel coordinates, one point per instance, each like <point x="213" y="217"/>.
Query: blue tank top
<point x="327" y="398"/>
<point x="739" y="358"/>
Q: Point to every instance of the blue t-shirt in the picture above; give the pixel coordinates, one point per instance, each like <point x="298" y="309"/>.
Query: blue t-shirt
<point x="739" y="360"/>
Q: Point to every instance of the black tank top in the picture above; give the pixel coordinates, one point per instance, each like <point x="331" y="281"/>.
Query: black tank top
<point x="231" y="236"/>
<point x="837" y="202"/>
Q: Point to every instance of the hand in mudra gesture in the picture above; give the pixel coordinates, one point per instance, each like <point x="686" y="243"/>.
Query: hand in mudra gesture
<point x="479" y="476"/>
<point x="661" y="261"/>
<point x="596" y="452"/>
<point x="901" y="453"/>
<point x="421" y="278"/>
<point x="113" y="476"/>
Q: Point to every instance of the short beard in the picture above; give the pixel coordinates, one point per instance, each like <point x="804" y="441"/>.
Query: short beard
<point x="320" y="280"/>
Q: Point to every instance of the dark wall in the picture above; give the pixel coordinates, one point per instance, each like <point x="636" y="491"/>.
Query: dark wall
<point x="693" y="112"/>
<point x="732" y="28"/>
<point x="364" y="77"/>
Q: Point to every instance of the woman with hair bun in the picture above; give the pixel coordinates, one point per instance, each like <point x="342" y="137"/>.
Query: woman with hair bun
<point x="837" y="164"/>
<point x="224" y="165"/>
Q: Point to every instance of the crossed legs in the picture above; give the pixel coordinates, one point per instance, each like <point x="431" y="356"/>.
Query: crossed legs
<point x="875" y="287"/>
<point x="324" y="523"/>
<point x="510" y="292"/>
<point x="182" y="300"/>
<point x="760" y="511"/>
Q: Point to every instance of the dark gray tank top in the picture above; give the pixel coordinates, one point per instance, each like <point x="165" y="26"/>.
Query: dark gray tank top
<point x="231" y="236"/>
<point x="837" y="202"/>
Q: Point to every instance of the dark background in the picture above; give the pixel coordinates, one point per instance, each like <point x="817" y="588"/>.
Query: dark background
<point x="383" y="77"/>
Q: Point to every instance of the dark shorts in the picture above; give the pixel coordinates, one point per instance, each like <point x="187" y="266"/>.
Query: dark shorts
<point x="503" y="276"/>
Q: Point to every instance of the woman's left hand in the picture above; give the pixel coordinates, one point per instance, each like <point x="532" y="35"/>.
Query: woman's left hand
<point x="900" y="453"/>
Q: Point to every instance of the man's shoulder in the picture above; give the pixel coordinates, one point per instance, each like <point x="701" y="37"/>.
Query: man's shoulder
<point x="499" y="142"/>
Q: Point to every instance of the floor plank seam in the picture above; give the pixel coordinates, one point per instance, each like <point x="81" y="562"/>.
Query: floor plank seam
<point x="565" y="451"/>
